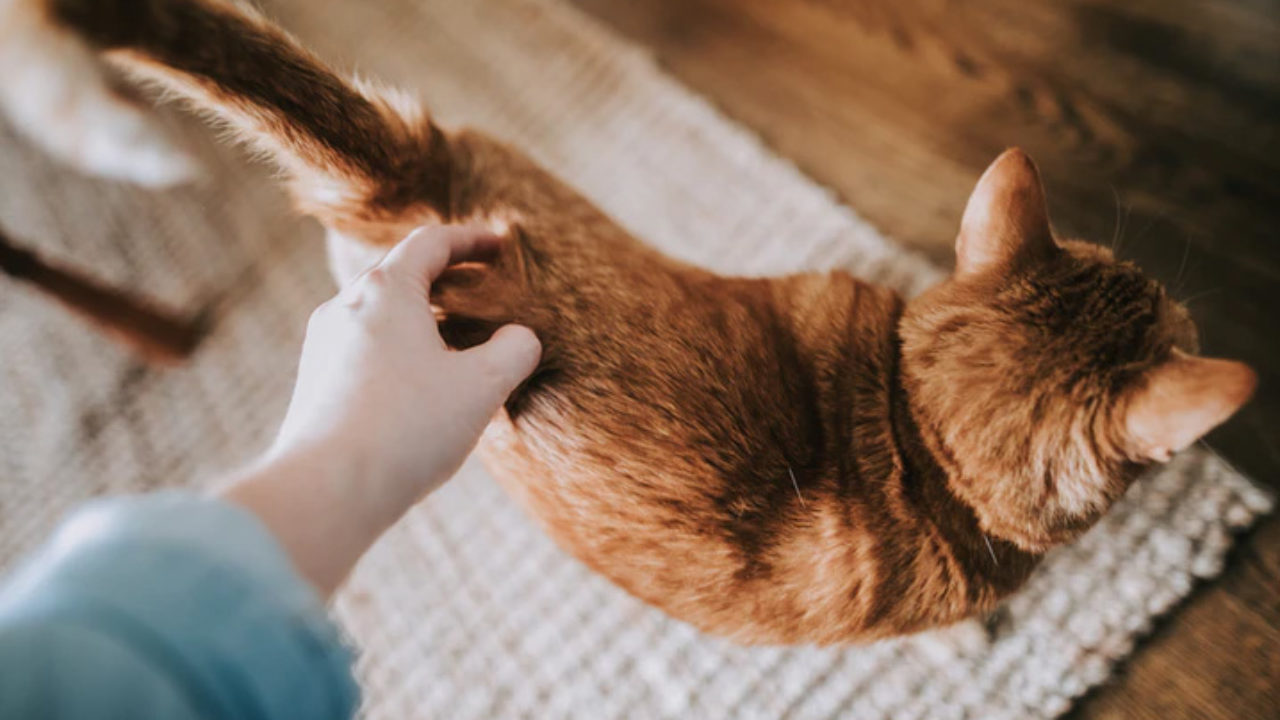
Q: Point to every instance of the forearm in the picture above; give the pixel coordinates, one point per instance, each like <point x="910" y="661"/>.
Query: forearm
<point x="323" y="507"/>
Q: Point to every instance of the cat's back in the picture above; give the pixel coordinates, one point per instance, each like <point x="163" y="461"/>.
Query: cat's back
<point x="689" y="444"/>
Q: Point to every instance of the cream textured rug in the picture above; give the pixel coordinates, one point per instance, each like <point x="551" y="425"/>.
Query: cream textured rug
<point x="464" y="610"/>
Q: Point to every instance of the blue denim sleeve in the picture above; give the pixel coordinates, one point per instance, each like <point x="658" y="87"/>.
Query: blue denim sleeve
<point x="168" y="605"/>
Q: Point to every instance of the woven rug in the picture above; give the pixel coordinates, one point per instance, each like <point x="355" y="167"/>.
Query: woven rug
<point x="465" y="610"/>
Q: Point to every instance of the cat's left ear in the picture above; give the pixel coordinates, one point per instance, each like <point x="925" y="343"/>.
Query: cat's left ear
<point x="1181" y="400"/>
<point x="1006" y="223"/>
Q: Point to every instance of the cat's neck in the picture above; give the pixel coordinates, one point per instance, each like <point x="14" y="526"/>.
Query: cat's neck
<point x="926" y="481"/>
<point x="889" y="455"/>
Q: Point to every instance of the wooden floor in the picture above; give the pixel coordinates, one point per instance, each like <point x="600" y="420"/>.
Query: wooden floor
<point x="1156" y="122"/>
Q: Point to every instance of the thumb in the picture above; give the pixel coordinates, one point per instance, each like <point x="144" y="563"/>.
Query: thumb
<point x="505" y="360"/>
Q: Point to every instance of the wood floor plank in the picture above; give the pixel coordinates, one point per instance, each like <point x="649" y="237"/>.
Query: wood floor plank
<point x="1218" y="657"/>
<point x="921" y="96"/>
<point x="1155" y="123"/>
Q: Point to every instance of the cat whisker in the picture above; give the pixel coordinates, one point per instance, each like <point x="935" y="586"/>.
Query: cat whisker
<point x="1214" y="453"/>
<point x="1115" y="235"/>
<point x="990" y="549"/>
<point x="1151" y="221"/>
<point x="795" y="485"/>
<point x="1203" y="294"/>
<point x="1122" y="221"/>
<point x="1182" y="266"/>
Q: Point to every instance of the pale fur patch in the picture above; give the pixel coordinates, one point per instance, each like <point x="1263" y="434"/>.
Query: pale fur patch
<point x="401" y="103"/>
<point x="1078" y="472"/>
<point x="54" y="91"/>
<point x="244" y="120"/>
<point x="349" y="257"/>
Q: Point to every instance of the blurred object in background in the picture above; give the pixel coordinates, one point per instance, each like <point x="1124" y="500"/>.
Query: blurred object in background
<point x="155" y="334"/>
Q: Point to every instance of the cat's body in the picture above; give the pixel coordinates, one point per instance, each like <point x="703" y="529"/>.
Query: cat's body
<point x="797" y="459"/>
<point x="736" y="451"/>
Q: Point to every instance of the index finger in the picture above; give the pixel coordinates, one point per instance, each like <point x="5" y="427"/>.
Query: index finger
<point x="427" y="251"/>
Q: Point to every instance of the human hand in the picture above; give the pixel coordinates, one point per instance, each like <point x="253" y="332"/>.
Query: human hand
<point x="382" y="412"/>
<point x="378" y="392"/>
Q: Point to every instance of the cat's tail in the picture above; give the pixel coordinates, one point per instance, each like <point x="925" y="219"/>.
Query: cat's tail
<point x="351" y="150"/>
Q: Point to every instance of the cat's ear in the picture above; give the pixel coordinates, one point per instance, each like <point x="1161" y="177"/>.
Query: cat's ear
<point x="1006" y="223"/>
<point x="1181" y="400"/>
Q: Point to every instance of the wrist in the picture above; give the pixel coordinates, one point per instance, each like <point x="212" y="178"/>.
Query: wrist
<point x="326" y="507"/>
<point x="358" y="481"/>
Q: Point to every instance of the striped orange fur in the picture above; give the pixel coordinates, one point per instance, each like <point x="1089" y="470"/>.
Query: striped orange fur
<point x="778" y="460"/>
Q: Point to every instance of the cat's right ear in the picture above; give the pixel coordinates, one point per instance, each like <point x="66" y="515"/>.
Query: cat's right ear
<point x="1006" y="222"/>
<point x="1181" y="400"/>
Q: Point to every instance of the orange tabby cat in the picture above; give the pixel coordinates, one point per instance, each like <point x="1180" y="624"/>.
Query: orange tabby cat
<point x="782" y="460"/>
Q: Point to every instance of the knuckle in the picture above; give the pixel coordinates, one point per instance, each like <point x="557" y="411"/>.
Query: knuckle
<point x="376" y="277"/>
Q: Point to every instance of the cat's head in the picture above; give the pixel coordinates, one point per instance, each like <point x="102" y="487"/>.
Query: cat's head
<point x="1046" y="374"/>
